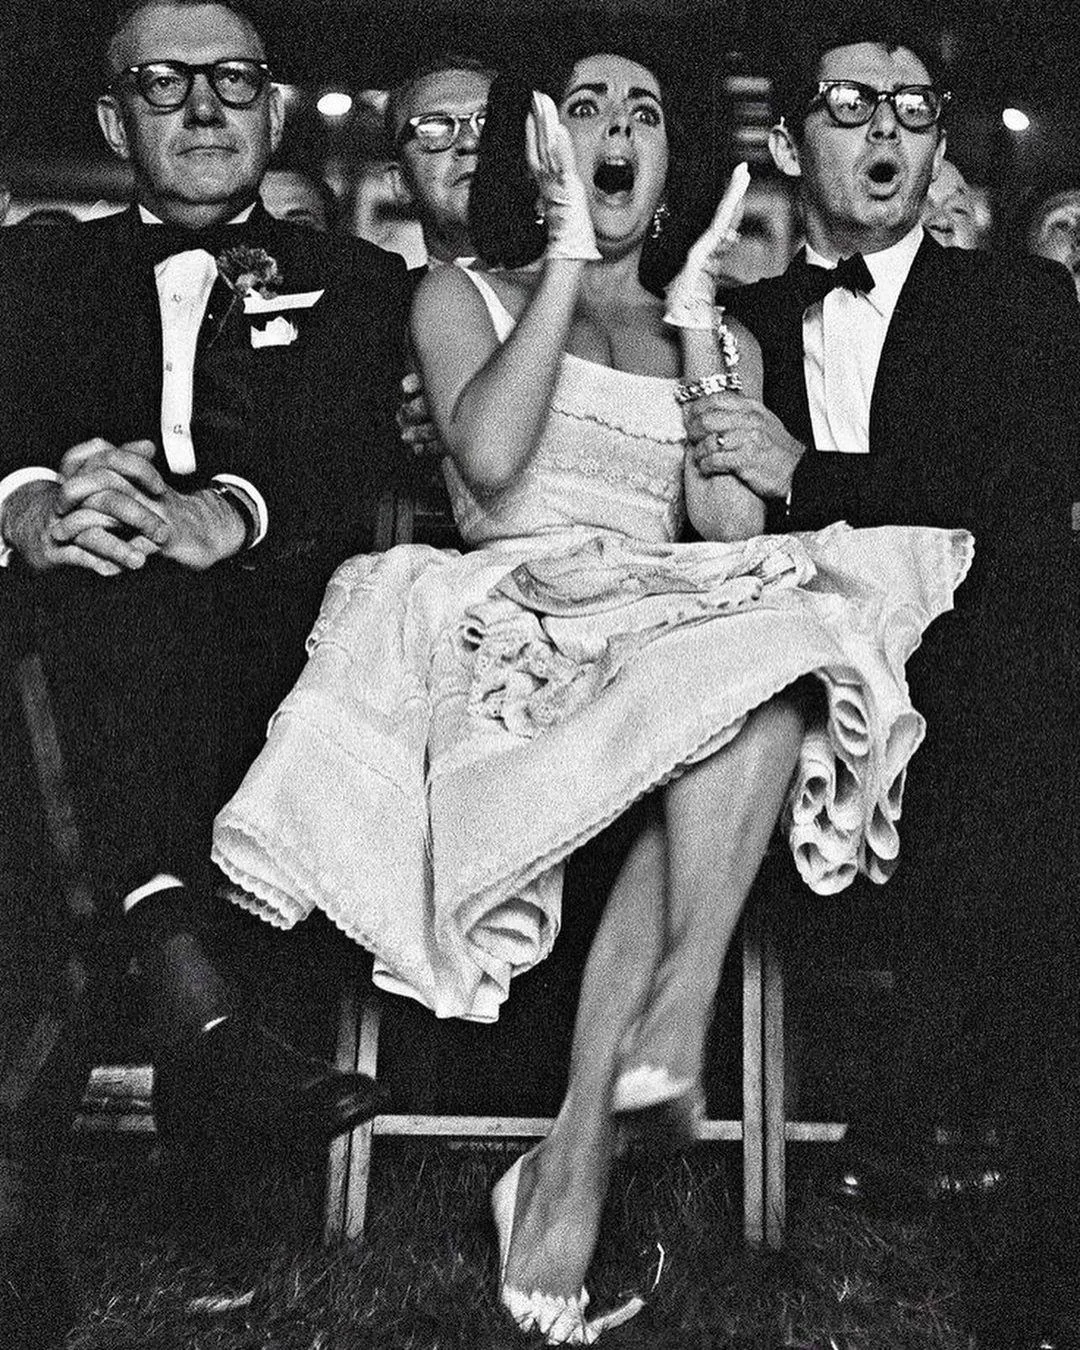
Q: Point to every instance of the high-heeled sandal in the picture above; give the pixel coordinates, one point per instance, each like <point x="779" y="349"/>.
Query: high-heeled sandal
<point x="656" y="1108"/>
<point x="560" y="1320"/>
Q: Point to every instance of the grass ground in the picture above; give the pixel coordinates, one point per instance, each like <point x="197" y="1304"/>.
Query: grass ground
<point x="153" y="1239"/>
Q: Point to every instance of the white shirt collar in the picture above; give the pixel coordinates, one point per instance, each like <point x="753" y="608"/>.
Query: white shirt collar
<point x="148" y="217"/>
<point x="468" y="263"/>
<point x="889" y="267"/>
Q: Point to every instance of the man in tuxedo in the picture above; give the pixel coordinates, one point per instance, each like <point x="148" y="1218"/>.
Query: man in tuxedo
<point x="910" y="384"/>
<point x="196" y="423"/>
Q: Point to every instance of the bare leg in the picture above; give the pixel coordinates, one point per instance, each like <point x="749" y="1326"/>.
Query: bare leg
<point x="658" y="952"/>
<point x="720" y="815"/>
<point x="564" y="1182"/>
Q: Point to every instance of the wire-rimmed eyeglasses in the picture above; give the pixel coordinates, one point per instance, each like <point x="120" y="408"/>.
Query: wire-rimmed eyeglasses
<point x="439" y="131"/>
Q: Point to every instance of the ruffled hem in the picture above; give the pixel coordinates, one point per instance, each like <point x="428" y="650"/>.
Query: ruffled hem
<point x="453" y="925"/>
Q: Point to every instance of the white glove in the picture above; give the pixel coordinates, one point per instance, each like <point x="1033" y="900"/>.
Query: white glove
<point x="690" y="298"/>
<point x="563" y="196"/>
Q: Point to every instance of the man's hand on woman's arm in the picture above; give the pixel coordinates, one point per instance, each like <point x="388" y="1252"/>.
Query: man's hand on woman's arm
<point x="731" y="433"/>
<point x="418" y="431"/>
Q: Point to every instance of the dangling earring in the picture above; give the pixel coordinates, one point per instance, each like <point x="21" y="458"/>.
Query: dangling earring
<point x="660" y="215"/>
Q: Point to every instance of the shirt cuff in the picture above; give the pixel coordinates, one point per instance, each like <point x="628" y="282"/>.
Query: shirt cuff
<point x="9" y="485"/>
<point x="262" y="516"/>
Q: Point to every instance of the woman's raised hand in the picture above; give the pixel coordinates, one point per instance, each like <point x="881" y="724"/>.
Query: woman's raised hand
<point x="691" y="296"/>
<point x="563" y="196"/>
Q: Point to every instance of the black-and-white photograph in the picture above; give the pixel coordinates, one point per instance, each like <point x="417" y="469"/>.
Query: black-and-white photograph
<point x="539" y="636"/>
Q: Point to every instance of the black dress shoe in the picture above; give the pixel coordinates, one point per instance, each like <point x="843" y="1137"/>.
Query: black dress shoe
<point x="36" y="1309"/>
<point x="238" y="1081"/>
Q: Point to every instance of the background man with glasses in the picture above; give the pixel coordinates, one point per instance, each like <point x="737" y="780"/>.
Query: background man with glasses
<point x="938" y="387"/>
<point x="196" y="421"/>
<point x="432" y="123"/>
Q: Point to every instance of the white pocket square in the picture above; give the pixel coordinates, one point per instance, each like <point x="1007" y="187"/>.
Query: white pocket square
<point x="278" y="332"/>
<point x="254" y="303"/>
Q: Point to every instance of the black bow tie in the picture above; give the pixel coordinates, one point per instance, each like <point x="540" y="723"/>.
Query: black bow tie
<point x="851" y="273"/>
<point x="158" y="242"/>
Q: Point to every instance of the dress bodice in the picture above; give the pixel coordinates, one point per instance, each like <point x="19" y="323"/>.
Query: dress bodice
<point x="610" y="457"/>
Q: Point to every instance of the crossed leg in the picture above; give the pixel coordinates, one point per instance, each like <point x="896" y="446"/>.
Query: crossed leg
<point x="653" y="970"/>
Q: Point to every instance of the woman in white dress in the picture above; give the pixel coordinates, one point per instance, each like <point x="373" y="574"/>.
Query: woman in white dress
<point x="468" y="720"/>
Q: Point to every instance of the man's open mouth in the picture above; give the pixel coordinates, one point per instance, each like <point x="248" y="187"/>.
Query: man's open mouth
<point x="883" y="173"/>
<point x="613" y="176"/>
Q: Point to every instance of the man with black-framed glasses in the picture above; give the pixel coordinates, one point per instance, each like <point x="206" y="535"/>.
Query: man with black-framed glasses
<point x="908" y="384"/>
<point x="196" y="425"/>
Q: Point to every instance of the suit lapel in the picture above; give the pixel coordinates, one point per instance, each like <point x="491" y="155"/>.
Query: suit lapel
<point x="909" y="369"/>
<point x="785" y="371"/>
<point x="250" y="399"/>
<point x="121" y="334"/>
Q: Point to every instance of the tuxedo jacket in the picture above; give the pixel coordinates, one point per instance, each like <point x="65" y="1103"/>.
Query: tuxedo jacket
<point x="167" y="673"/>
<point x="974" y="414"/>
<point x="308" y="422"/>
<point x="974" y="423"/>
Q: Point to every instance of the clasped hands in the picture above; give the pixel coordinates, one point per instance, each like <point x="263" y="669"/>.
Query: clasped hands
<point x="111" y="510"/>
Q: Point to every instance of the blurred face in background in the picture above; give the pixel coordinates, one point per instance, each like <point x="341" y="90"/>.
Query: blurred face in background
<point x="437" y="182"/>
<point x="289" y="194"/>
<point x="950" y="212"/>
<point x="1055" y="232"/>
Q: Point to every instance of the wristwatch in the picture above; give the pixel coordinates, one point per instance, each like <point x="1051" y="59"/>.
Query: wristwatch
<point x="243" y="507"/>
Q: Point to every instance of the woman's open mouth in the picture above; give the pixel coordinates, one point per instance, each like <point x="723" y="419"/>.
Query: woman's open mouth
<point x="614" y="176"/>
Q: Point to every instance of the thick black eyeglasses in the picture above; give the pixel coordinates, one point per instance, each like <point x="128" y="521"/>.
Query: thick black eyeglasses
<point x="850" y="104"/>
<point x="439" y="131"/>
<point x="237" y="82"/>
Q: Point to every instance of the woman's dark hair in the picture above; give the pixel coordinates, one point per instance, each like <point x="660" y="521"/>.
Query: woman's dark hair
<point x="502" y="200"/>
<point x="795" y="73"/>
<point x="1014" y="238"/>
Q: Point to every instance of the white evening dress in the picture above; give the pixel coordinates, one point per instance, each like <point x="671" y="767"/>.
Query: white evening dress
<point x="466" y="721"/>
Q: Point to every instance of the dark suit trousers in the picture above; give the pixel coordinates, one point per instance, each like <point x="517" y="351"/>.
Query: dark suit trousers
<point x="161" y="682"/>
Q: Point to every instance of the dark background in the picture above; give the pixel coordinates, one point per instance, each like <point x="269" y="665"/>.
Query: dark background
<point x="1024" y="52"/>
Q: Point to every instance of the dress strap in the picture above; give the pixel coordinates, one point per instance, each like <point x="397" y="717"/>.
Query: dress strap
<point x="501" y="317"/>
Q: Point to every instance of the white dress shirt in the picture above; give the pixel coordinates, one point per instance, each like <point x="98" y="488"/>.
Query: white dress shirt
<point x="842" y="340"/>
<point x="184" y="282"/>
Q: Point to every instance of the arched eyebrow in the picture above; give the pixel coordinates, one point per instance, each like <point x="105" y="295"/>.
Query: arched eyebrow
<point x="636" y="91"/>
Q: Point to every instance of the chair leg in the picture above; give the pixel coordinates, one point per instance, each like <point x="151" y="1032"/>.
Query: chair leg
<point x="753" y="1122"/>
<point x="349" y="1160"/>
<point x="775" y="1144"/>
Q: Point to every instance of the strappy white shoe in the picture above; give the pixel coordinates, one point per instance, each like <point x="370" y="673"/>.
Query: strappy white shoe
<point x="560" y="1320"/>
<point x="654" y="1106"/>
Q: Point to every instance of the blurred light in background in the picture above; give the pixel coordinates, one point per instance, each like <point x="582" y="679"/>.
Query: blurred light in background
<point x="289" y="92"/>
<point x="1015" y="119"/>
<point x="334" y="104"/>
